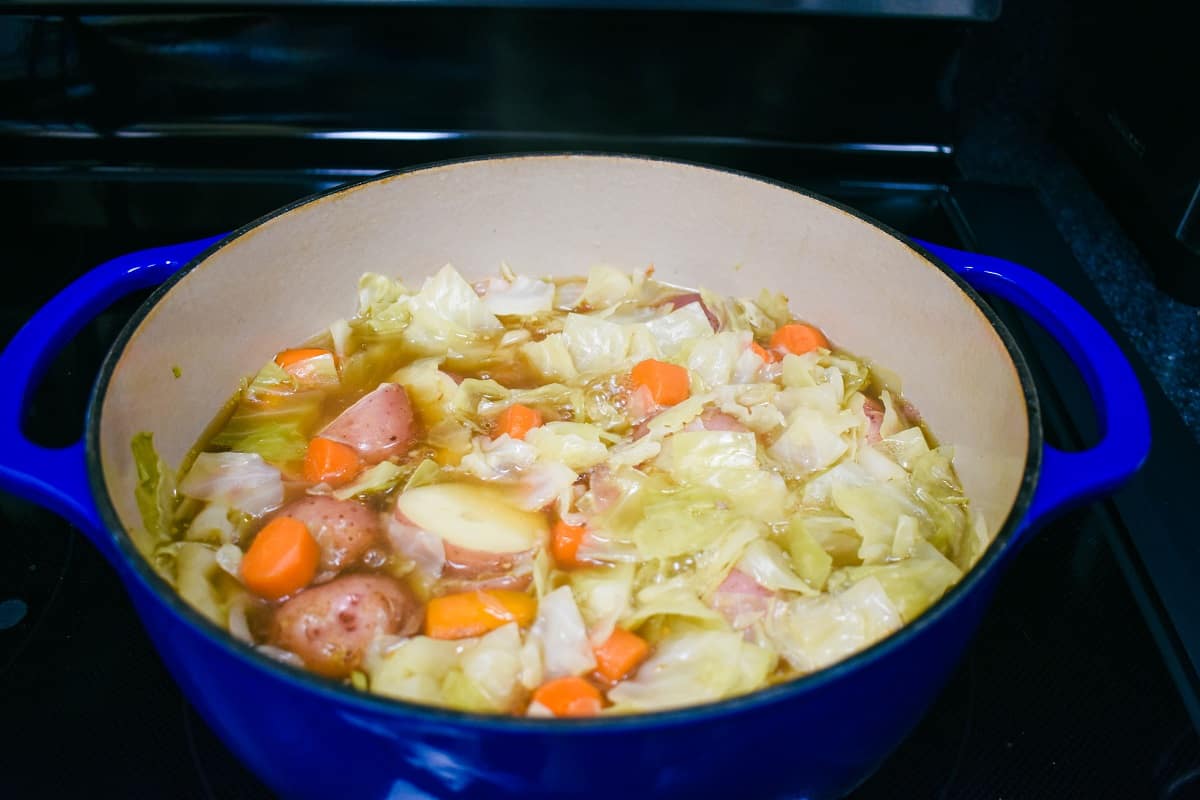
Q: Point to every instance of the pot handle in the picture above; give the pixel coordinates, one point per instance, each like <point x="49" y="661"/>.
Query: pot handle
<point x="1070" y="478"/>
<point x="57" y="478"/>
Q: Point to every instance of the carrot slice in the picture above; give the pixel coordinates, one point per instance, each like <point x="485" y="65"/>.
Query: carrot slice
<point x="288" y="358"/>
<point x="620" y="654"/>
<point x="458" y="616"/>
<point x="517" y="420"/>
<point x="564" y="544"/>
<point x="798" y="338"/>
<point x="282" y="559"/>
<point x="569" y="697"/>
<point x="330" y="462"/>
<point x="667" y="383"/>
<point x="766" y="355"/>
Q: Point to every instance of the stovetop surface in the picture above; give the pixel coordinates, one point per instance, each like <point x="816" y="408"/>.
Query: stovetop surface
<point x="1079" y="683"/>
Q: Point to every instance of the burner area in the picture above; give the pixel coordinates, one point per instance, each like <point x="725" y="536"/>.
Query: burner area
<point x="1067" y="690"/>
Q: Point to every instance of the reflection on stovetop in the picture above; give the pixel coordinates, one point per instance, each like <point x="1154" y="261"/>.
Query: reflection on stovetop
<point x="1065" y="692"/>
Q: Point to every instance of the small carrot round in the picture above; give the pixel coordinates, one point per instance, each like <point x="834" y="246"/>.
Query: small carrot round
<point x="569" y="697"/>
<point x="564" y="544"/>
<point x="517" y="420"/>
<point x="282" y="559"/>
<point x="459" y="616"/>
<point x="620" y="654"/>
<point x="327" y="461"/>
<point x="798" y="338"/>
<point x="766" y="355"/>
<point x="667" y="383"/>
<point x="288" y="358"/>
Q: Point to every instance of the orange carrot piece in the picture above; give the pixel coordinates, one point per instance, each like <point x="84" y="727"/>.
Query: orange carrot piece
<point x="282" y="559"/>
<point x="327" y="461"/>
<point x="667" y="383"/>
<point x="620" y="654"/>
<point x="564" y="544"/>
<point x="798" y="338"/>
<point x="766" y="355"/>
<point x="289" y="358"/>
<point x="517" y="420"/>
<point x="458" y="616"/>
<point x="569" y="697"/>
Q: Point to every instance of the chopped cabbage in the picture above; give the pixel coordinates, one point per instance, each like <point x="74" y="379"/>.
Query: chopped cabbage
<point x="595" y="345"/>
<point x="672" y="331"/>
<point x="564" y="639"/>
<point x="546" y="483"/>
<point x="876" y="510"/>
<point x="213" y="525"/>
<point x="768" y="565"/>
<point x="380" y="478"/>
<point x="679" y="522"/>
<point x="481" y="674"/>
<point x="728" y="462"/>
<point x="814" y="632"/>
<point x="522" y="296"/>
<point x="812" y="441"/>
<point x="912" y="584"/>
<point x="413" y="669"/>
<point x="242" y="481"/>
<point x="607" y="286"/>
<point x="196" y="570"/>
<point x="550" y="358"/>
<point x="809" y="558"/>
<point x="673" y="599"/>
<point x="278" y="430"/>
<point x="493" y="667"/>
<point x="906" y="446"/>
<point x="604" y="595"/>
<point x="154" y="493"/>
<point x="575" y="444"/>
<point x="446" y="312"/>
<point x="694" y="668"/>
<point x="496" y="458"/>
<point x="378" y="294"/>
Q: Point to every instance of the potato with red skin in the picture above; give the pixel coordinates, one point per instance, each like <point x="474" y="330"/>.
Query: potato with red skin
<point x="378" y="426"/>
<point x="464" y="563"/>
<point x="482" y="534"/>
<point x="330" y="626"/>
<point x="459" y="567"/>
<point x="344" y="529"/>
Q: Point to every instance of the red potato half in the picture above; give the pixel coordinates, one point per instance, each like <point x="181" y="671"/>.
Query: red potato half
<point x="378" y="426"/>
<point x="330" y="626"/>
<point x="344" y="529"/>
<point x="483" y="536"/>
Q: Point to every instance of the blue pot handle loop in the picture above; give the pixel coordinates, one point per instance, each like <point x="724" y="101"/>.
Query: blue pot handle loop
<point x="1070" y="478"/>
<point x="57" y="478"/>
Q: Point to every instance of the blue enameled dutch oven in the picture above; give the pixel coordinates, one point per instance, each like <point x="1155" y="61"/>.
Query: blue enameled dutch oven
<point x="227" y="301"/>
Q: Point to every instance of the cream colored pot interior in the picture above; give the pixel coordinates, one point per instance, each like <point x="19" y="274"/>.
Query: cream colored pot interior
<point x="293" y="274"/>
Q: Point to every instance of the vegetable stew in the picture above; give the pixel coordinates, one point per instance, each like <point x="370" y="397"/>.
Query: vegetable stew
<point x="561" y="498"/>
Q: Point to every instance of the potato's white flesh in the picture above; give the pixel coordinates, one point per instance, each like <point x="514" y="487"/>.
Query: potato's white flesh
<point x="473" y="518"/>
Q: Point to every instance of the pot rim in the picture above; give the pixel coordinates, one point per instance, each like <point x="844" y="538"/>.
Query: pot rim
<point x="301" y="679"/>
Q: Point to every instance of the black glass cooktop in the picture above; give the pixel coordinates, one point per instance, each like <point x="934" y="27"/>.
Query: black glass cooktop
<point x="1079" y="683"/>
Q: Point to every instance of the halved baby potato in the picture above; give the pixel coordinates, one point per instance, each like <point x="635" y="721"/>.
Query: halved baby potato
<point x="482" y="533"/>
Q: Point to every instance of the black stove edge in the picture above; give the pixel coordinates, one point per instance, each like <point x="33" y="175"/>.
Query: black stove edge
<point x="1162" y="560"/>
<point x="949" y="10"/>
